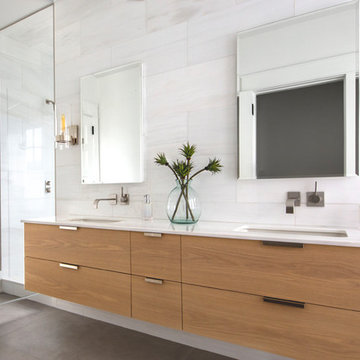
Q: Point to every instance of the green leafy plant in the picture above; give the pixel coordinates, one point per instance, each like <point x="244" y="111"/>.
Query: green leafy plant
<point x="182" y="170"/>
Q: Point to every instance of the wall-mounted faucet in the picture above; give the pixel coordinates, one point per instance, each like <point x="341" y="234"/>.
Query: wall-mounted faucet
<point x="293" y="199"/>
<point x="113" y="200"/>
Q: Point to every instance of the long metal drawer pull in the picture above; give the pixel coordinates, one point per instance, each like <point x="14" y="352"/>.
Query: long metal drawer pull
<point x="73" y="228"/>
<point x="154" y="281"/>
<point x="69" y="266"/>
<point x="282" y="243"/>
<point x="298" y="304"/>
<point x="150" y="234"/>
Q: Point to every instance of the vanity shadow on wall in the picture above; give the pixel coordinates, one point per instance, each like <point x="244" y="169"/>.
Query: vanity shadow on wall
<point x="298" y="96"/>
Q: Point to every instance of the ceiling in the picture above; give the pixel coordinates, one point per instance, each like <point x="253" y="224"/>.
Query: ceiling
<point x="13" y="10"/>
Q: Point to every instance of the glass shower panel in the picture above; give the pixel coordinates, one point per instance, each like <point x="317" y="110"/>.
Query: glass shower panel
<point x="27" y="133"/>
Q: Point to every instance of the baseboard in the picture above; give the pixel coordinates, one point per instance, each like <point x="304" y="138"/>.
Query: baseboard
<point x="199" y="342"/>
<point x="14" y="288"/>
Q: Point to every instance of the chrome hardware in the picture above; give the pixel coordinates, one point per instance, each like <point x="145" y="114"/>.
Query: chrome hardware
<point x="124" y="198"/>
<point x="113" y="199"/>
<point x="315" y="198"/>
<point x="158" y="235"/>
<point x="70" y="136"/>
<point x="284" y="244"/>
<point x="298" y="304"/>
<point x="293" y="199"/>
<point x="73" y="228"/>
<point x="154" y="281"/>
<point x="47" y="186"/>
<point x="50" y="102"/>
<point x="69" y="266"/>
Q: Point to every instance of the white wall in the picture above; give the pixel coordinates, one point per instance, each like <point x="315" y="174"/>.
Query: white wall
<point x="14" y="10"/>
<point x="189" y="51"/>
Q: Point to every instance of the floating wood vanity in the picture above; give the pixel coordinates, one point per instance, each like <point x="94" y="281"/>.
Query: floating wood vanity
<point x="295" y="300"/>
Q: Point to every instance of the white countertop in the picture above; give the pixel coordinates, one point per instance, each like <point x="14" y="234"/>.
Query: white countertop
<point x="216" y="229"/>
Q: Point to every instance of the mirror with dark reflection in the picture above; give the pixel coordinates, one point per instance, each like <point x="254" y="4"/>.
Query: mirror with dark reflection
<point x="297" y="84"/>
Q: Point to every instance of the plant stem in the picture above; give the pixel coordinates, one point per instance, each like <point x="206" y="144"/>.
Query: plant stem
<point x="197" y="173"/>
<point x="188" y="207"/>
<point x="176" y="175"/>
<point x="187" y="192"/>
<point x="187" y="203"/>
<point x="178" y="202"/>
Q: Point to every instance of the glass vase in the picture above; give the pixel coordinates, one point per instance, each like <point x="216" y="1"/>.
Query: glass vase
<point x="183" y="205"/>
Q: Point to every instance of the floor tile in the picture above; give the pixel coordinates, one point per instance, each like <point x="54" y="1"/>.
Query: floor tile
<point x="6" y="297"/>
<point x="196" y="354"/>
<point x="33" y="331"/>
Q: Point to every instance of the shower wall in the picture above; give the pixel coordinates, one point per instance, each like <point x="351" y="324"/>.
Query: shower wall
<point x="27" y="129"/>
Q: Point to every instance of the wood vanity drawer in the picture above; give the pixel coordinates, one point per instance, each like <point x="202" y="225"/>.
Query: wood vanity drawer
<point x="103" y="249"/>
<point x="310" y="333"/>
<point x="326" y="275"/>
<point x="106" y="290"/>
<point x="156" y="255"/>
<point x="157" y="301"/>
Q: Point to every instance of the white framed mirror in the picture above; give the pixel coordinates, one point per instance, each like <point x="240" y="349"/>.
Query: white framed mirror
<point x="297" y="87"/>
<point x="112" y="126"/>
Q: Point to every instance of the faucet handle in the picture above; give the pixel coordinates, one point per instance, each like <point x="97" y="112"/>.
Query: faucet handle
<point x="124" y="198"/>
<point x="315" y="198"/>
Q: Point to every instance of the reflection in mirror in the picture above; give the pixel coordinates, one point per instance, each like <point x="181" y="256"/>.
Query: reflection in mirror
<point x="112" y="126"/>
<point x="298" y="97"/>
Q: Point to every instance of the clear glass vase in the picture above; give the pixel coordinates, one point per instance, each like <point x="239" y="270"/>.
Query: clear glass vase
<point x="183" y="205"/>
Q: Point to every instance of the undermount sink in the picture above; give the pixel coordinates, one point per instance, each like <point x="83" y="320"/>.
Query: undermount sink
<point x="291" y="231"/>
<point x="99" y="220"/>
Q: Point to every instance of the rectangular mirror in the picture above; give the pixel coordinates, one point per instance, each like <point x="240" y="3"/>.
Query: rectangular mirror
<point x="297" y="85"/>
<point x="112" y="126"/>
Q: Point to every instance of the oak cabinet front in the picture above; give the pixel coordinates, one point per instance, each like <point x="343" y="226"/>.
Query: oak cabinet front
<point x="157" y="301"/>
<point x="156" y="255"/>
<point x="98" y="248"/>
<point x="298" y="301"/>
<point x="310" y="332"/>
<point x="324" y="275"/>
<point x="106" y="290"/>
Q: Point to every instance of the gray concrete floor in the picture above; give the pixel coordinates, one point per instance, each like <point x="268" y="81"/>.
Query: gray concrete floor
<point x="32" y="331"/>
<point x="6" y="297"/>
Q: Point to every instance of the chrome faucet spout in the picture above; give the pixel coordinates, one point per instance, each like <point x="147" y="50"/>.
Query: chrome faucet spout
<point x="113" y="200"/>
<point x="290" y="203"/>
<point x="293" y="199"/>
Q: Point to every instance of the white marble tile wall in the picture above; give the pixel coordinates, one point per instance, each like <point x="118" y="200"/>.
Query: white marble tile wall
<point x="188" y="48"/>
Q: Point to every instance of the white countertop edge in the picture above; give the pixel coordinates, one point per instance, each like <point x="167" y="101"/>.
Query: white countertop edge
<point x="211" y="229"/>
